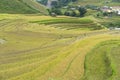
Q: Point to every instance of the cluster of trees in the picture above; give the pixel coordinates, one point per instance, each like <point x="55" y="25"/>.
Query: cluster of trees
<point x="57" y="3"/>
<point x="65" y="2"/>
<point x="103" y="14"/>
<point x="61" y="3"/>
<point x="114" y="24"/>
<point x="116" y="0"/>
<point x="77" y="12"/>
<point x="93" y="7"/>
<point x="56" y="11"/>
<point x="57" y="8"/>
<point x="44" y="2"/>
<point x="74" y="13"/>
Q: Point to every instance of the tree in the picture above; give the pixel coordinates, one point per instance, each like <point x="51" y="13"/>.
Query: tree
<point x="105" y="13"/>
<point x="56" y="11"/>
<point x="116" y="0"/>
<point x="55" y="4"/>
<point x="43" y="1"/>
<point x="73" y="13"/>
<point x="82" y="11"/>
<point x="68" y="13"/>
<point x="74" y="0"/>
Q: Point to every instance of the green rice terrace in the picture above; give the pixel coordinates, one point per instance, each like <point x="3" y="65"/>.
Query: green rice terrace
<point x="37" y="44"/>
<point x="34" y="47"/>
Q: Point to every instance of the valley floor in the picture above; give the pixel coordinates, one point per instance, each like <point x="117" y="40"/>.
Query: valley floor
<point x="30" y="50"/>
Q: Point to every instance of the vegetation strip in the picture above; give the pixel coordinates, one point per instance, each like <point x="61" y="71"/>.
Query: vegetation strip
<point x="102" y="56"/>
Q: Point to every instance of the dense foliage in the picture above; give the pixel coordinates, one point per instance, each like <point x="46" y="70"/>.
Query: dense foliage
<point x="57" y="3"/>
<point x="43" y="1"/>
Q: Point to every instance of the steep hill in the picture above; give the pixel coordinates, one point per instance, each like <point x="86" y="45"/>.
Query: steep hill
<point x="21" y="6"/>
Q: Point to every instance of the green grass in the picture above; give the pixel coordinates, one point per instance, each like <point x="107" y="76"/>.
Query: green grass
<point x="20" y="6"/>
<point x="37" y="6"/>
<point x="71" y="23"/>
<point x="103" y="61"/>
<point x="65" y="20"/>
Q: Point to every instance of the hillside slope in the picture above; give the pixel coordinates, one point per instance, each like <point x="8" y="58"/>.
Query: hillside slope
<point x="98" y="2"/>
<point x="37" y="6"/>
<point x="20" y="6"/>
<point x="30" y="51"/>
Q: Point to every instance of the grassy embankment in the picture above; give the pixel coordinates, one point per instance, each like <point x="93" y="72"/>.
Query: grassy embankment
<point x="103" y="62"/>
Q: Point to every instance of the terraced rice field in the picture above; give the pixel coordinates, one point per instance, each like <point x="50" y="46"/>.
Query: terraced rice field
<point x="103" y="61"/>
<point x="98" y="2"/>
<point x="49" y="51"/>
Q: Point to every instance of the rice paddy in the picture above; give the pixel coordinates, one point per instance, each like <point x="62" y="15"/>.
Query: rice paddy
<point x="49" y="48"/>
